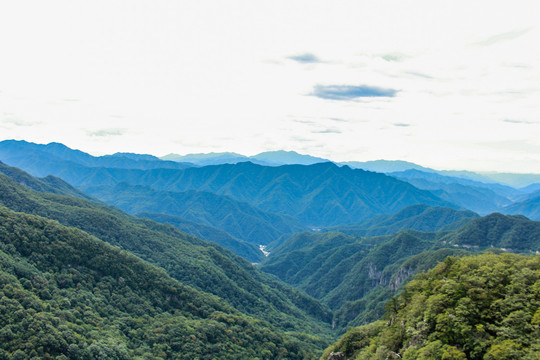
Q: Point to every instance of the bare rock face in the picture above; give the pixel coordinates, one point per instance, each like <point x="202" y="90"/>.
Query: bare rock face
<point x="336" y="356"/>
<point x="402" y="274"/>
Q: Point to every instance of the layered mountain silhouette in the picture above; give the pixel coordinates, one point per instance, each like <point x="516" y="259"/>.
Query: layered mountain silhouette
<point x="141" y="287"/>
<point x="529" y="207"/>
<point x="318" y="195"/>
<point x="480" y="197"/>
<point x="269" y="158"/>
<point x="38" y="159"/>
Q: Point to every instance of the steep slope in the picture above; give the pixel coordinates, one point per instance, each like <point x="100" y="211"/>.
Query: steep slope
<point x="65" y="294"/>
<point x="419" y="217"/>
<point x="246" y="250"/>
<point x="49" y="184"/>
<point x="354" y="275"/>
<point x="195" y="262"/>
<point x="481" y="307"/>
<point x="57" y="186"/>
<point x="239" y="219"/>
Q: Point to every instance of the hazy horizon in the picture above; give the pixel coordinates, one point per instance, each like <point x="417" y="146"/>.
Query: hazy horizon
<point x="451" y="85"/>
<point x="161" y="156"/>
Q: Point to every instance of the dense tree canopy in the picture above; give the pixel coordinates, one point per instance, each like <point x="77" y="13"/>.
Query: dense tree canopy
<point x="478" y="307"/>
<point x="67" y="295"/>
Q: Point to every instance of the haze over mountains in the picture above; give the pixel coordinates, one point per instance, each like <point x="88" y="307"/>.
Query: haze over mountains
<point x="476" y="192"/>
<point x="342" y="242"/>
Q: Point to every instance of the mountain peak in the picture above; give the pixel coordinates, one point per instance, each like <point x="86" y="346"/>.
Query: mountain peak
<point x="284" y="157"/>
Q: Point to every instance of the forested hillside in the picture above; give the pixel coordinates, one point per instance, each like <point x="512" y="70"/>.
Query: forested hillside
<point x="356" y="275"/>
<point x="239" y="219"/>
<point x="246" y="250"/>
<point x="67" y="295"/>
<point x="419" y="217"/>
<point x="480" y="307"/>
<point x="370" y="234"/>
<point x="194" y="262"/>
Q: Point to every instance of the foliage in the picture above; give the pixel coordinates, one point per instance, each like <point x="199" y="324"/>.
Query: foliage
<point x="67" y="295"/>
<point x="419" y="217"/>
<point x="514" y="233"/>
<point x="244" y="249"/>
<point x="354" y="275"/>
<point x="194" y="262"/>
<point x="239" y="219"/>
<point x="478" y="307"/>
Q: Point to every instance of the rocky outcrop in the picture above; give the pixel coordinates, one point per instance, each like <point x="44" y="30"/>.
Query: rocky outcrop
<point x="336" y="356"/>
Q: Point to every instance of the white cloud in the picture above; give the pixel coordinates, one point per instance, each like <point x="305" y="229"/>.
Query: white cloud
<point x="216" y="74"/>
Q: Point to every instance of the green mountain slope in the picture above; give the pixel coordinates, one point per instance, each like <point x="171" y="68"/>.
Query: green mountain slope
<point x="481" y="307"/>
<point x="67" y="295"/>
<point x="419" y="217"/>
<point x="55" y="185"/>
<point x="339" y="269"/>
<point x="236" y="218"/>
<point x="514" y="233"/>
<point x="246" y="250"/>
<point x="355" y="275"/>
<point x="49" y="184"/>
<point x="194" y="262"/>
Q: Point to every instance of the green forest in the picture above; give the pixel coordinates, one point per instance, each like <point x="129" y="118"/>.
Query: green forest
<point x="81" y="279"/>
<point x="67" y="295"/>
<point x="478" y="307"/>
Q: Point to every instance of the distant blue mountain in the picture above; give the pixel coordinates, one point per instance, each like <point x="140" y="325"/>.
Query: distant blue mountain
<point x="282" y="157"/>
<point x="529" y="207"/>
<point x="35" y="157"/>
<point x="269" y="158"/>
<point x="317" y="195"/>
<point x="385" y="166"/>
<point x="480" y="197"/>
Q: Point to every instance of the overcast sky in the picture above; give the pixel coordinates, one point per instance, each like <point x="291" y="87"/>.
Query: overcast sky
<point x="445" y="84"/>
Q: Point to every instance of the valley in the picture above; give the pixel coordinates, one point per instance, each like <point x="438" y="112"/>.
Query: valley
<point x="270" y="259"/>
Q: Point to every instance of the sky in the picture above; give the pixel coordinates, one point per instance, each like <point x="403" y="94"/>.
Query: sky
<point x="444" y="84"/>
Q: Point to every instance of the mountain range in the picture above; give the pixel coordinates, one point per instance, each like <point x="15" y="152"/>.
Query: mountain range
<point x="156" y="280"/>
<point x="318" y="195"/>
